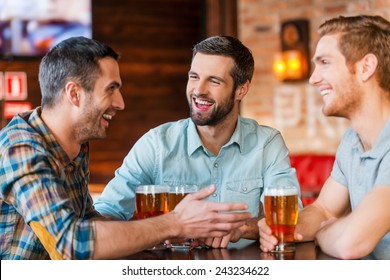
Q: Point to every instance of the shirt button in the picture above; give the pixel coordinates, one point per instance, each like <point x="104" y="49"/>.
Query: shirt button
<point x="214" y="194"/>
<point x="244" y="189"/>
<point x="216" y="165"/>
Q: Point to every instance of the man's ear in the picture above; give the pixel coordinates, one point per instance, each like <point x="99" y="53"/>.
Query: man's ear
<point x="367" y="66"/>
<point x="242" y="90"/>
<point x="72" y="91"/>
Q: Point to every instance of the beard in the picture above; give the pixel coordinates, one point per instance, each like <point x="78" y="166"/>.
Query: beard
<point x="90" y="128"/>
<point x="218" y="114"/>
<point x="347" y="101"/>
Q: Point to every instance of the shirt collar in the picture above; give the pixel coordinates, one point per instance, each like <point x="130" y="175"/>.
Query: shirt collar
<point x="381" y="143"/>
<point x="194" y="141"/>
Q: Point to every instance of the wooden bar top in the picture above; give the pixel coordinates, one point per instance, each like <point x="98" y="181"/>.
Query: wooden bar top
<point x="242" y="250"/>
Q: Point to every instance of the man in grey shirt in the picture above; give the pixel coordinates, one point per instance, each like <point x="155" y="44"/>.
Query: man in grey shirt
<point x="351" y="217"/>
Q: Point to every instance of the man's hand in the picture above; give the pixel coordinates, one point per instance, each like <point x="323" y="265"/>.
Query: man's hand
<point x="223" y="242"/>
<point x="267" y="240"/>
<point x="197" y="218"/>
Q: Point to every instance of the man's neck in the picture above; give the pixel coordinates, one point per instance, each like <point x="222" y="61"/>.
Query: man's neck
<point x="60" y="127"/>
<point x="214" y="137"/>
<point x="370" y="121"/>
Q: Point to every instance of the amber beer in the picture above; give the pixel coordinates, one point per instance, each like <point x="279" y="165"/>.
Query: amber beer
<point x="281" y="214"/>
<point x="177" y="193"/>
<point x="151" y="200"/>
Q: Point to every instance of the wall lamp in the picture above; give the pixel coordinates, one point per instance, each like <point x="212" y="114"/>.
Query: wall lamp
<point x="292" y="62"/>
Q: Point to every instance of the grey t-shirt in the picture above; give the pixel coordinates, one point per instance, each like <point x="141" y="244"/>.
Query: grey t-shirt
<point x="361" y="171"/>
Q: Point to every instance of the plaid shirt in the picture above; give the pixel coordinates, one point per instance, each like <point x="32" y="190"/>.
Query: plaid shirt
<point x="38" y="182"/>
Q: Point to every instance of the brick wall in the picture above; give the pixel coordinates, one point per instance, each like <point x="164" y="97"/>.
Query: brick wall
<point x="293" y="108"/>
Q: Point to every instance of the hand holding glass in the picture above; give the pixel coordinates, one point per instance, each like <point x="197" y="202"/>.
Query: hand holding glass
<point x="176" y="194"/>
<point x="281" y="215"/>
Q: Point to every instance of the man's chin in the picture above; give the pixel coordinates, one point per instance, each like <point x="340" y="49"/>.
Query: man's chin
<point x="200" y="117"/>
<point x="99" y="136"/>
<point x="200" y="122"/>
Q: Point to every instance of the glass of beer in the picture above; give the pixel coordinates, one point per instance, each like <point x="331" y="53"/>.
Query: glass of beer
<point x="152" y="200"/>
<point x="281" y="215"/>
<point x="176" y="194"/>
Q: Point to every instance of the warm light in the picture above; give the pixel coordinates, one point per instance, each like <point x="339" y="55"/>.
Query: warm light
<point x="291" y="63"/>
<point x="288" y="65"/>
<point x="279" y="66"/>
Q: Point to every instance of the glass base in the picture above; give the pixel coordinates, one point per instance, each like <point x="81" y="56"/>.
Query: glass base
<point x="284" y="248"/>
<point x="181" y="243"/>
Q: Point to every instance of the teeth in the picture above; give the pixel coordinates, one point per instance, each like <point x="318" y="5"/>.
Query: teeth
<point x="202" y="102"/>
<point x="107" y="117"/>
<point x="323" y="92"/>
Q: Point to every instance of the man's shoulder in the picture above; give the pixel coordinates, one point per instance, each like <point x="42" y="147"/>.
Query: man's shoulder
<point x="18" y="132"/>
<point x="172" y="128"/>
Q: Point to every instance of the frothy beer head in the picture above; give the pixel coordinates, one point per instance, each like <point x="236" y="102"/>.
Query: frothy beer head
<point x="281" y="191"/>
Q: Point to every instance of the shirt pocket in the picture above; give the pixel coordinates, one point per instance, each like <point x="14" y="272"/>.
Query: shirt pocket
<point x="245" y="191"/>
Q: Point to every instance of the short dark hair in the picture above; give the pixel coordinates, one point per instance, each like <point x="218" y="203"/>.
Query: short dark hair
<point x="76" y="58"/>
<point x="360" y="35"/>
<point x="231" y="47"/>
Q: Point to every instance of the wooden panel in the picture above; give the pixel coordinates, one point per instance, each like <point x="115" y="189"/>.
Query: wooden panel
<point x="155" y="42"/>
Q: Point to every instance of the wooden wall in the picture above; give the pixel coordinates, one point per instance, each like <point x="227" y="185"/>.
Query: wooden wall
<point x="154" y="38"/>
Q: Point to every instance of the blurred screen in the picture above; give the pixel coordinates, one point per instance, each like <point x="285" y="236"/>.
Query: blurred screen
<point x="32" y="27"/>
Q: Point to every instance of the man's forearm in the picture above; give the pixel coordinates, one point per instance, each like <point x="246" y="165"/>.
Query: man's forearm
<point x="309" y="222"/>
<point x="116" y="239"/>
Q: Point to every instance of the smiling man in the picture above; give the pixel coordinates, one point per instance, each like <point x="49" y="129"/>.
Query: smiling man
<point x="214" y="146"/>
<point x="351" y="217"/>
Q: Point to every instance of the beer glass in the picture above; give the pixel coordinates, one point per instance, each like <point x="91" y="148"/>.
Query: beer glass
<point x="176" y="194"/>
<point x="281" y="215"/>
<point x="152" y="200"/>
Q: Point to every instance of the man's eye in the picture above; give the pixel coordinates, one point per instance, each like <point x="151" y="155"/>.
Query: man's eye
<point x="112" y="88"/>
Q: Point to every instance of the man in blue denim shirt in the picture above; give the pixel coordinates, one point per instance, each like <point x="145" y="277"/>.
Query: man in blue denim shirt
<point x="214" y="146"/>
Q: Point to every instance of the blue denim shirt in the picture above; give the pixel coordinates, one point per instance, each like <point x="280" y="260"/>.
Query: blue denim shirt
<point x="255" y="157"/>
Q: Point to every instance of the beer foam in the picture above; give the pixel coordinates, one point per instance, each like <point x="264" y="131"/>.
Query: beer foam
<point x="152" y="189"/>
<point x="282" y="191"/>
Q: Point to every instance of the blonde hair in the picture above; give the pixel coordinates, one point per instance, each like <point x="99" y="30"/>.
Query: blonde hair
<point x="360" y="35"/>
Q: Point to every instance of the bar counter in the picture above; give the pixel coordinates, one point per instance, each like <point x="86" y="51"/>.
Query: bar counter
<point x="242" y="250"/>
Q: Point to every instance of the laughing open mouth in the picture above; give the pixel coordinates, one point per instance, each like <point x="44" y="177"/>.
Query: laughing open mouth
<point x="107" y="117"/>
<point x="202" y="104"/>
